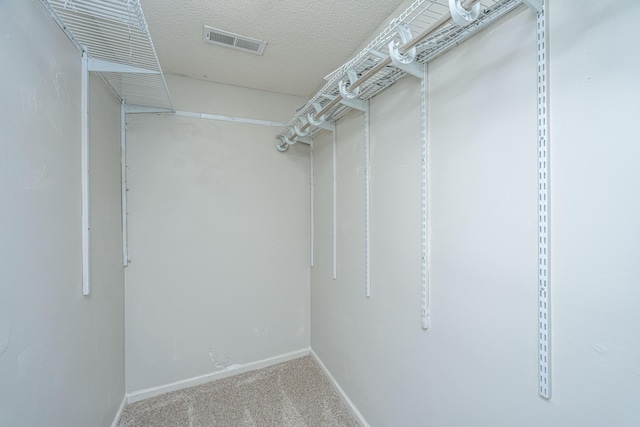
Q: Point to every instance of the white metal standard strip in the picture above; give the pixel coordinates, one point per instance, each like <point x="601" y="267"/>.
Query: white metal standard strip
<point x="367" y="194"/>
<point x="334" y="230"/>
<point x="86" y="238"/>
<point x="424" y="303"/>
<point x="228" y="118"/>
<point x="123" y="182"/>
<point x="311" y="218"/>
<point x="544" y="331"/>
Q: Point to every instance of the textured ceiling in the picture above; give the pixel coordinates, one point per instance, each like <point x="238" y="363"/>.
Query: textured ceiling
<point x="307" y="39"/>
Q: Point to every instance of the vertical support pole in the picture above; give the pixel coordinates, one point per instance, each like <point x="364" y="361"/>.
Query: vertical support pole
<point x="367" y="194"/>
<point x="334" y="230"/>
<point x="86" y="238"/>
<point x="544" y="331"/>
<point x="424" y="305"/>
<point x="311" y="207"/>
<point x="123" y="182"/>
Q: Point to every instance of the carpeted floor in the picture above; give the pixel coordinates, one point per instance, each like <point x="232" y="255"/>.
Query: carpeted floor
<point x="290" y="394"/>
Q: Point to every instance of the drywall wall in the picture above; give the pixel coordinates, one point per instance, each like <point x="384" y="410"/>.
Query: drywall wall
<point x="218" y="237"/>
<point x="594" y="211"/>
<point x="61" y="354"/>
<point x="477" y="364"/>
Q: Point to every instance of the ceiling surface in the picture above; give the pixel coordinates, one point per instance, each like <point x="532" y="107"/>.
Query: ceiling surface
<point x="306" y="39"/>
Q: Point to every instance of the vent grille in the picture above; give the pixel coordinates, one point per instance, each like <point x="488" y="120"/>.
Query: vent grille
<point x="233" y="41"/>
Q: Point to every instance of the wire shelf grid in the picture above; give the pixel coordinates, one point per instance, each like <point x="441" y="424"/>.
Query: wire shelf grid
<point x="115" y="31"/>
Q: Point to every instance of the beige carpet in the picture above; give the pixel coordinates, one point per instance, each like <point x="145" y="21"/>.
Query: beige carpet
<point x="290" y="394"/>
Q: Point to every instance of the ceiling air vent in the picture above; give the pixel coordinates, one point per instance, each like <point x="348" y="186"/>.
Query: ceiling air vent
<point x="234" y="41"/>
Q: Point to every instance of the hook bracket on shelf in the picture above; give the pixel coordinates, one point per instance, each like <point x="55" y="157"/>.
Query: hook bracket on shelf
<point x="462" y="16"/>
<point x="282" y="147"/>
<point x="311" y="116"/>
<point x="297" y="129"/>
<point x="394" y="47"/>
<point x="287" y="141"/>
<point x="342" y="86"/>
<point x="293" y="139"/>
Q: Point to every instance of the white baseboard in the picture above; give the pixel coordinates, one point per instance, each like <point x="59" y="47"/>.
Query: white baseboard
<point x="116" y="420"/>
<point x="232" y="370"/>
<point x="352" y="408"/>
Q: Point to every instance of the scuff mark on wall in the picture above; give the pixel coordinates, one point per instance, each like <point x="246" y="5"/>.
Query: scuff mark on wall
<point x="28" y="101"/>
<point x="5" y="337"/>
<point x="25" y="362"/>
<point x="220" y="360"/>
<point x="601" y="349"/>
<point x="301" y="321"/>
<point x="58" y="84"/>
<point x="37" y="178"/>
<point x="179" y="163"/>
<point x="174" y="353"/>
<point x="261" y="326"/>
<point x="54" y="108"/>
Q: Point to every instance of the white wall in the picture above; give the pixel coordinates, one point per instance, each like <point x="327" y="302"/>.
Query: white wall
<point x="61" y="354"/>
<point x="595" y="210"/>
<point x="477" y="364"/>
<point x="218" y="237"/>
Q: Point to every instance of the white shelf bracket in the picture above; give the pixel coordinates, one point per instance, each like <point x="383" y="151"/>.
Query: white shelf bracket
<point x="413" y="68"/>
<point x="134" y="109"/>
<point x="86" y="236"/>
<point x="357" y="104"/>
<point x="535" y="5"/>
<point x="100" y="66"/>
<point x="330" y="126"/>
<point x="544" y="328"/>
<point x="305" y="139"/>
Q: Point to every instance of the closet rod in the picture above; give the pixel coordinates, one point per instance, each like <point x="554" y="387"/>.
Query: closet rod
<point x="443" y="20"/>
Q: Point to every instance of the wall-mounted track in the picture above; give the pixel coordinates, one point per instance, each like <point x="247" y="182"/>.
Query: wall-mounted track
<point x="113" y="40"/>
<point x="427" y="29"/>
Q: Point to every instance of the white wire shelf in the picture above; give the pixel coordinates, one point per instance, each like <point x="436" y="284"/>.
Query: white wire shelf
<point x="419" y="17"/>
<point x="116" y="38"/>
